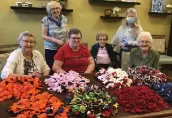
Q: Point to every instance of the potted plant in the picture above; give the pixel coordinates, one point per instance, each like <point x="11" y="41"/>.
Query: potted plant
<point x="63" y="3"/>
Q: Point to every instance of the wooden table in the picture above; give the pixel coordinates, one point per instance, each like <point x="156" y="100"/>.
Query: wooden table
<point x="121" y="114"/>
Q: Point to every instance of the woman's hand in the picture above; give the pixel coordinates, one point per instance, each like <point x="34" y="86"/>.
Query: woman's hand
<point x="59" y="42"/>
<point x="121" y="45"/>
<point x="36" y="74"/>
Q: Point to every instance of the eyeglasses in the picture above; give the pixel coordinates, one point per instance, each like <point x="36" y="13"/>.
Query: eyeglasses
<point x="102" y="39"/>
<point x="55" y="8"/>
<point x="26" y="41"/>
<point x="75" y="38"/>
<point x="146" y="42"/>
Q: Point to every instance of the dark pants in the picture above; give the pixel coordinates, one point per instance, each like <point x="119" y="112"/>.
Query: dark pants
<point x="49" y="57"/>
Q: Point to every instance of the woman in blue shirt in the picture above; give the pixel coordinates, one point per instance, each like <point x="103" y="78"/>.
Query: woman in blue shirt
<point x="54" y="31"/>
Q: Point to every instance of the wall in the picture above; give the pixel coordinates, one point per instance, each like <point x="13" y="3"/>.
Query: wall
<point x="85" y="17"/>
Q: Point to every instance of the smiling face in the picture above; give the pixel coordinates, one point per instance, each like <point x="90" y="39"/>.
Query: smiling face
<point x="144" y="43"/>
<point x="27" y="44"/>
<point x="74" y="40"/>
<point x="102" y="41"/>
<point x="55" y="10"/>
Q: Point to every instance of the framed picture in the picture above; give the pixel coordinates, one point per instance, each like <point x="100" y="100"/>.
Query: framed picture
<point x="158" y="6"/>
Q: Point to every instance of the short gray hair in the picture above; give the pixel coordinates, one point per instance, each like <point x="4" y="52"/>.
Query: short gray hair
<point x="50" y="5"/>
<point x="148" y="34"/>
<point x="25" y="33"/>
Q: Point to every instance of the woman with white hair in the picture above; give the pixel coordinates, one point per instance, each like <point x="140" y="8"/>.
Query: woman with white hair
<point x="25" y="60"/>
<point x="144" y="55"/>
<point x="54" y="31"/>
<point x="128" y="32"/>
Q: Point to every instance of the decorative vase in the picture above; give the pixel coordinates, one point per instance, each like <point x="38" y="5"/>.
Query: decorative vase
<point x="116" y="14"/>
<point x="108" y="12"/>
<point x="158" y="6"/>
<point x="64" y="5"/>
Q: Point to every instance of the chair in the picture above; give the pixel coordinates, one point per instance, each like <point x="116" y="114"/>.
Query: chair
<point x="159" y="44"/>
<point x="5" y="51"/>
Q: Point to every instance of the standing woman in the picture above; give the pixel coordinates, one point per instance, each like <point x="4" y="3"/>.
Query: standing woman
<point x="128" y="32"/>
<point x="54" y="31"/>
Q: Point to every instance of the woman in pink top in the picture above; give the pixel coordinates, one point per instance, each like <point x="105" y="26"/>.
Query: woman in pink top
<point x="102" y="52"/>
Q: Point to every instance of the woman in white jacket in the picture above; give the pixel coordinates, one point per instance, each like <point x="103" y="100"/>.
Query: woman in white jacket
<point x="25" y="61"/>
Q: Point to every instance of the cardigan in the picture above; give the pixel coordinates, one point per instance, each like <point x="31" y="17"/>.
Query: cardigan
<point x="15" y="63"/>
<point x="109" y="48"/>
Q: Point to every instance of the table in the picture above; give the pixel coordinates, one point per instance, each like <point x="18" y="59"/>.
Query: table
<point x="121" y="114"/>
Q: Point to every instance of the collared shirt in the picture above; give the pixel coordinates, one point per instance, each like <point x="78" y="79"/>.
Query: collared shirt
<point x="137" y="59"/>
<point x="60" y="33"/>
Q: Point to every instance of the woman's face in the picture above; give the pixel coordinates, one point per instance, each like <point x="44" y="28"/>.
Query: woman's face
<point x="55" y="10"/>
<point x="131" y="18"/>
<point x="102" y="41"/>
<point x="27" y="43"/>
<point x="75" y="40"/>
<point x="144" y="43"/>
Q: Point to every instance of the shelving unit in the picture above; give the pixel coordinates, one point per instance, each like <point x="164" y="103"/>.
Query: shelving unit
<point x="156" y="13"/>
<point x="114" y="2"/>
<point x="37" y="9"/>
<point x="111" y="17"/>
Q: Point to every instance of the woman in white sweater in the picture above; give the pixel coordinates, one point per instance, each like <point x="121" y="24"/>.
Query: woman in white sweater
<point x="24" y="60"/>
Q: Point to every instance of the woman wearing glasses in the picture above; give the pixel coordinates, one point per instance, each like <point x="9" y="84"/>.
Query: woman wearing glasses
<point x="144" y="55"/>
<point x="73" y="55"/>
<point x="103" y="53"/>
<point x="54" y="31"/>
<point x="24" y="60"/>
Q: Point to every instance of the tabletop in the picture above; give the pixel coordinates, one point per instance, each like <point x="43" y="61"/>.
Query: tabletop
<point x="4" y="106"/>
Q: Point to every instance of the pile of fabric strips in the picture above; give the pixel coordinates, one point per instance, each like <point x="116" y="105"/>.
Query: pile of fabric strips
<point x="92" y="102"/>
<point x="66" y="81"/>
<point x="143" y="75"/>
<point x="164" y="90"/>
<point x="140" y="99"/>
<point x="19" y="87"/>
<point x="113" y="78"/>
<point x="40" y="106"/>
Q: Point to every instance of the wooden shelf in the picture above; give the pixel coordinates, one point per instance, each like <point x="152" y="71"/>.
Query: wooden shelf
<point x="157" y="13"/>
<point x="111" y="17"/>
<point x="114" y="2"/>
<point x="37" y="9"/>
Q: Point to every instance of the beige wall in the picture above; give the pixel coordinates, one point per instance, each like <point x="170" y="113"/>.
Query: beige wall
<point x="85" y="17"/>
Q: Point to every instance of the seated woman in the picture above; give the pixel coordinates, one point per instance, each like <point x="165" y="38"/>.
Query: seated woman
<point x="144" y="55"/>
<point x="73" y="55"/>
<point x="102" y="52"/>
<point x="24" y="60"/>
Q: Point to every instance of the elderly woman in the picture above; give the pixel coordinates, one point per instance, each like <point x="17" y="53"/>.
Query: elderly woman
<point x="54" y="31"/>
<point x="144" y="55"/>
<point x="25" y="60"/>
<point x="102" y="52"/>
<point x="73" y="55"/>
<point x="128" y="32"/>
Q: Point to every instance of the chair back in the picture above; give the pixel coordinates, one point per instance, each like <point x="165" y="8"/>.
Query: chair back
<point x="159" y="43"/>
